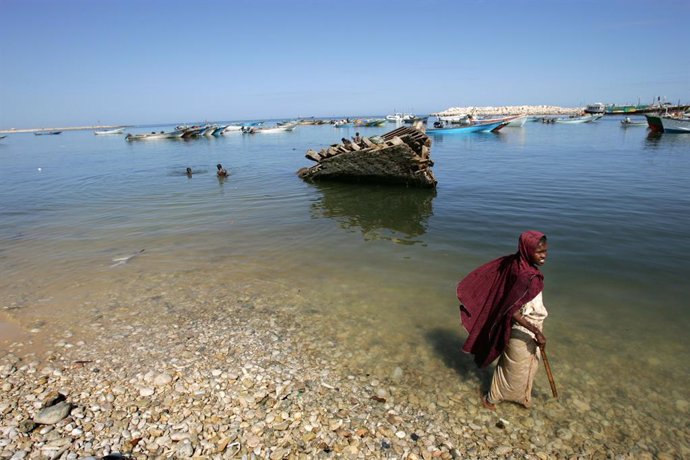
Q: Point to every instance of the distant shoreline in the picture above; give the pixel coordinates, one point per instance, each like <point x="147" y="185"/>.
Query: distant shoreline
<point x="71" y="128"/>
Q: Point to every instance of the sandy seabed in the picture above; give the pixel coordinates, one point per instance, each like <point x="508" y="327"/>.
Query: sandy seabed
<point x="254" y="369"/>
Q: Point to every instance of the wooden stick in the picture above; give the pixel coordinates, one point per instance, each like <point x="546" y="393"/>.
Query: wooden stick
<point x="548" y="372"/>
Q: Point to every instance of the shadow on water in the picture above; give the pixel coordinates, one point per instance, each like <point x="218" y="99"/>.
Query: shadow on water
<point x="447" y="344"/>
<point x="380" y="212"/>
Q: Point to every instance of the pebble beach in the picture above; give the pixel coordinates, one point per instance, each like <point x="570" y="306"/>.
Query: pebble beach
<point x="239" y="373"/>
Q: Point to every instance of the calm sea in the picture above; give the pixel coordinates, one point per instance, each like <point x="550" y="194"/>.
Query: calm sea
<point x="614" y="202"/>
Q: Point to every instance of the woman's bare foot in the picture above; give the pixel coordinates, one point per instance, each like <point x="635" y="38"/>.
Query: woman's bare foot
<point x="487" y="404"/>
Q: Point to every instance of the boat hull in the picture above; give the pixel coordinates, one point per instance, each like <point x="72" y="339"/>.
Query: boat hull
<point x="676" y="125"/>
<point x="477" y="128"/>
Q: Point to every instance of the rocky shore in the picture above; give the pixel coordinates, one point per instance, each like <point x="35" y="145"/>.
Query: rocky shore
<point x="532" y="110"/>
<point x="256" y="370"/>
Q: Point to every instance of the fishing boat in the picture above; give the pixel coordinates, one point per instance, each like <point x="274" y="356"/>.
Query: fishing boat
<point x="478" y="127"/>
<point x="273" y="129"/>
<point x="395" y="118"/>
<point x="232" y="129"/>
<point x="583" y="119"/>
<point x="47" y="133"/>
<point x="155" y="136"/>
<point x="627" y="121"/>
<point x="517" y="122"/>
<point x="106" y="132"/>
<point x="668" y="124"/>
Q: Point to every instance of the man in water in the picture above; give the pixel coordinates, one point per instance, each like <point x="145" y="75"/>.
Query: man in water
<point x="221" y="171"/>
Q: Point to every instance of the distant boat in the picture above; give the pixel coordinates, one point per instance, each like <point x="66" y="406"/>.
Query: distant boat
<point x="442" y="128"/>
<point x="3" y="136"/>
<point x="155" y="136"/>
<point x="232" y="129"/>
<point x="596" y="108"/>
<point x="109" y="131"/>
<point x="271" y="129"/>
<point x="47" y="133"/>
<point x="627" y="121"/>
<point x="583" y="119"/>
<point x="666" y="124"/>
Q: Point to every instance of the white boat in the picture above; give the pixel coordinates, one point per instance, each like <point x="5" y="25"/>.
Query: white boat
<point x="232" y="129"/>
<point x="517" y="122"/>
<point x="596" y="108"/>
<point x="395" y="118"/>
<point x="273" y="129"/>
<point x="583" y="119"/>
<point x="154" y="136"/>
<point x="109" y="131"/>
<point x="676" y="125"/>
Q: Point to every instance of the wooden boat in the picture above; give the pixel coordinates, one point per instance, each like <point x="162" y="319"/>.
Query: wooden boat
<point x="401" y="156"/>
<point x="478" y="127"/>
<point x="666" y="124"/>
<point x="155" y="136"/>
<point x="109" y="131"/>
<point x="47" y="133"/>
<point x="627" y="121"/>
<point x="583" y="119"/>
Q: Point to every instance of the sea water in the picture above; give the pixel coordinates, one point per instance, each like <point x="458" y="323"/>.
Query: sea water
<point x="382" y="262"/>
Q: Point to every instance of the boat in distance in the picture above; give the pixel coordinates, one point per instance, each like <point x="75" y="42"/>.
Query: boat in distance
<point x="627" y="121"/>
<point x="493" y="126"/>
<point x="583" y="119"/>
<point x="105" y="132"/>
<point x="47" y="133"/>
<point x="155" y="136"/>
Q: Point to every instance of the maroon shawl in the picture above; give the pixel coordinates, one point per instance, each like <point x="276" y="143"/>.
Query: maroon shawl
<point x="491" y="294"/>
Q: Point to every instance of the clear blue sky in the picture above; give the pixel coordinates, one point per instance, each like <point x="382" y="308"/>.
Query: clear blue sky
<point x="82" y="62"/>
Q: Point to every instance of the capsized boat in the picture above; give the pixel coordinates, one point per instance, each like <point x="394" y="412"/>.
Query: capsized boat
<point x="105" y="132"/>
<point x="402" y="156"/>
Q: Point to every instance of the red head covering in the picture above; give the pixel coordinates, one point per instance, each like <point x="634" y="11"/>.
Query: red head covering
<point x="492" y="293"/>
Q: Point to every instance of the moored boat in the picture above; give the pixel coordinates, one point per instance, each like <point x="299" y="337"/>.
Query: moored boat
<point x="666" y="124"/>
<point x="518" y="122"/>
<point x="105" y="132"/>
<point x="155" y="136"/>
<point x="596" y="108"/>
<point x="583" y="119"/>
<point x="478" y="127"/>
<point x="47" y="133"/>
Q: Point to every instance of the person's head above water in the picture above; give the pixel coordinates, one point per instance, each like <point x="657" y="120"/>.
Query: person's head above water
<point x="219" y="166"/>
<point x="189" y="171"/>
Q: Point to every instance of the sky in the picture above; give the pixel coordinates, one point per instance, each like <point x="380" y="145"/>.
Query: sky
<point x="87" y="62"/>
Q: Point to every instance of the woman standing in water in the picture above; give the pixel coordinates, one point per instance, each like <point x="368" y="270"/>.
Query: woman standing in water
<point x="502" y="309"/>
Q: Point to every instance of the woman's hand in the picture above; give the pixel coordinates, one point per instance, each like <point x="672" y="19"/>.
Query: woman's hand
<point x="540" y="339"/>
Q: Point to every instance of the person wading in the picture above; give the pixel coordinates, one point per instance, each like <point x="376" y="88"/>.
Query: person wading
<point x="502" y="310"/>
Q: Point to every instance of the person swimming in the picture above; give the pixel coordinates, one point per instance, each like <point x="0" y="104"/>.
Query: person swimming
<point x="189" y="172"/>
<point x="222" y="172"/>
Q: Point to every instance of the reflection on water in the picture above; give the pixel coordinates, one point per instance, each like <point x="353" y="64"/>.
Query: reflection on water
<point x="670" y="141"/>
<point x="380" y="212"/>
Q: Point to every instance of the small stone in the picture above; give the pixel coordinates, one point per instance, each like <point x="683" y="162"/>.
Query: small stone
<point x="253" y="441"/>
<point x="53" y="414"/>
<point x="162" y="379"/>
<point x="397" y="374"/>
<point x="503" y="450"/>
<point x="26" y="426"/>
<point x="216" y="372"/>
<point x="185" y="449"/>
<point x="400" y="434"/>
<point x="146" y="391"/>
<point x="502" y="423"/>
<point x="681" y="405"/>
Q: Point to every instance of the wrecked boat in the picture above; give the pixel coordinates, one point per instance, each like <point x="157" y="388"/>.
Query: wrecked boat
<point x="401" y="156"/>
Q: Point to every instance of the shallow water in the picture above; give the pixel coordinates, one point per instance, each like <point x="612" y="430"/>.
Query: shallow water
<point x="376" y="267"/>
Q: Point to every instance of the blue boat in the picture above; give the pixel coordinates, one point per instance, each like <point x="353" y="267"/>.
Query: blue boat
<point x="473" y="128"/>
